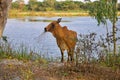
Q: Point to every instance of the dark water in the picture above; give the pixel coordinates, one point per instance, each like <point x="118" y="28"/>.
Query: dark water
<point x="30" y="32"/>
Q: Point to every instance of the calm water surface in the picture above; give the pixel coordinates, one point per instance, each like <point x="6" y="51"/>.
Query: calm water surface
<point x="30" y="32"/>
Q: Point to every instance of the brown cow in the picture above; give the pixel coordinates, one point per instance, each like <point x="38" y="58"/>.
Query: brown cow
<point x="66" y="39"/>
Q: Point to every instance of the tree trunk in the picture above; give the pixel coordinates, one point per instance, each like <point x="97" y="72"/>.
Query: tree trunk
<point x="114" y="38"/>
<point x="114" y="24"/>
<point x="4" y="6"/>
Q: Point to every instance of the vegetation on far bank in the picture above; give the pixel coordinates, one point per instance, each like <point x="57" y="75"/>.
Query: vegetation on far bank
<point x="53" y="5"/>
<point x="49" y="5"/>
<point x="51" y="8"/>
<point x="12" y="13"/>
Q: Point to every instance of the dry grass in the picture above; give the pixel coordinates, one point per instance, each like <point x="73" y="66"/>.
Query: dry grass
<point x="48" y="13"/>
<point x="12" y="13"/>
<point x="96" y="72"/>
<point x="13" y="69"/>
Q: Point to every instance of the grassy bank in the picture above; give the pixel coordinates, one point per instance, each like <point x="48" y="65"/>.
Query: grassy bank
<point x="20" y="53"/>
<point x="21" y="65"/>
<point x="12" y="13"/>
<point x="17" y="13"/>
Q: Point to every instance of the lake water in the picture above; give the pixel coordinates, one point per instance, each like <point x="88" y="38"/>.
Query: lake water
<point x="29" y="31"/>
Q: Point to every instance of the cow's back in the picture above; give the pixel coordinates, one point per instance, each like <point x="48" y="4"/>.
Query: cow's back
<point x="70" y="37"/>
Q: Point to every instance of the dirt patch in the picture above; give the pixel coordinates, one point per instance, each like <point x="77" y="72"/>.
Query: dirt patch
<point x="13" y="69"/>
<point x="99" y="72"/>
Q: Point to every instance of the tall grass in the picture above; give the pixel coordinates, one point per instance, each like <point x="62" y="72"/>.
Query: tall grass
<point x="95" y="49"/>
<point x="21" y="53"/>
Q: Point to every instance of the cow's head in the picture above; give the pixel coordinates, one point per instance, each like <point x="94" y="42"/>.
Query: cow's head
<point x="52" y="25"/>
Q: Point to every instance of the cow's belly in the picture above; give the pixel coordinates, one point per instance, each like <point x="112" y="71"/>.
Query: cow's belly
<point x="62" y="45"/>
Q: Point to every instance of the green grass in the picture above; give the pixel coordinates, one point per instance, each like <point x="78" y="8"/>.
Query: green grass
<point x="21" y="53"/>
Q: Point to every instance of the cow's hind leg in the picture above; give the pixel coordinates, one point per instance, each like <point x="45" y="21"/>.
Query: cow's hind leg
<point x="62" y="56"/>
<point x="72" y="55"/>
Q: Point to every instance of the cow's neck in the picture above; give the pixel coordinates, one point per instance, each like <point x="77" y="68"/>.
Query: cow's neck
<point x="58" y="33"/>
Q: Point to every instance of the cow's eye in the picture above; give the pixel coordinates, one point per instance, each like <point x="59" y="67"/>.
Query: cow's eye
<point x="53" y="25"/>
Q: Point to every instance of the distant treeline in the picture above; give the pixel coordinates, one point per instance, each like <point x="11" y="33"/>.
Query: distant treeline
<point x="52" y="5"/>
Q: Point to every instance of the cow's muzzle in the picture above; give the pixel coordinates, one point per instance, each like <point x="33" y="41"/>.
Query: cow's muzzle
<point x="45" y="29"/>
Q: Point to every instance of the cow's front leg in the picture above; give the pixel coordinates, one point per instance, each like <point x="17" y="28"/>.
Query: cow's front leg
<point x="62" y="56"/>
<point x="72" y="57"/>
<point x="68" y="57"/>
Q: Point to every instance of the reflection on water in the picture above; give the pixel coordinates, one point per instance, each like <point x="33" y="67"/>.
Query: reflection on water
<point x="31" y="32"/>
<point x="34" y="19"/>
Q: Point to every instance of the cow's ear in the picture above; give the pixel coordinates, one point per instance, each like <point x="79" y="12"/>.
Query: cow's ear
<point x="59" y="20"/>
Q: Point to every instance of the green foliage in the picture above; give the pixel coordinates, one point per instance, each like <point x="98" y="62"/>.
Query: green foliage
<point x="25" y="8"/>
<point x="103" y="10"/>
<point x="51" y="5"/>
<point x="110" y="62"/>
<point x="15" y="5"/>
<point x="32" y="5"/>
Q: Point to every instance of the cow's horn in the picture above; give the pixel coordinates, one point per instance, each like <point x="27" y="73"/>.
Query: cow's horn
<point x="59" y="20"/>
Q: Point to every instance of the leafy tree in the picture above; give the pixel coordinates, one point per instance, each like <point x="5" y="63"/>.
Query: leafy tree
<point x="4" y="6"/>
<point x="50" y="5"/>
<point x="119" y="6"/>
<point x="15" y="5"/>
<point x="32" y="5"/>
<point x="25" y="8"/>
<point x="21" y="4"/>
<point x="18" y="4"/>
<point x="104" y="10"/>
<point x="41" y="6"/>
<point x="67" y="5"/>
